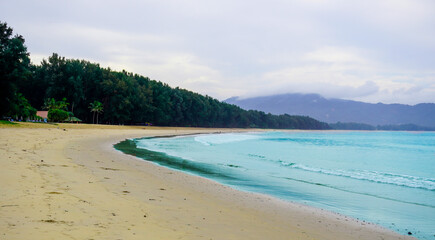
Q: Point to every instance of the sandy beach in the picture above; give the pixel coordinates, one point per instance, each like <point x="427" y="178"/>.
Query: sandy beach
<point x="67" y="181"/>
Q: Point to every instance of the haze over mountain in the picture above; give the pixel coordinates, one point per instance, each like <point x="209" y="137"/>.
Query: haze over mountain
<point x="339" y="110"/>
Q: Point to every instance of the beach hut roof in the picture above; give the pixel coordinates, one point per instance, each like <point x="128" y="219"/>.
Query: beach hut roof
<point x="43" y="114"/>
<point x="72" y="119"/>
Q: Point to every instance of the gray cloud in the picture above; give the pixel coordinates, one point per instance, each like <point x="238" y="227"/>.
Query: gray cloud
<point x="365" y="50"/>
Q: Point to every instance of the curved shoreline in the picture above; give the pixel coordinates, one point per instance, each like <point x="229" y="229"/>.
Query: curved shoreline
<point x="84" y="188"/>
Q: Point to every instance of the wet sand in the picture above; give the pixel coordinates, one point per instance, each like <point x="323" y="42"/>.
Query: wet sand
<point x="67" y="181"/>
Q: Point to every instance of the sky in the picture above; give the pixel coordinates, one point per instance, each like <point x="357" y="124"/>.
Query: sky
<point x="371" y="50"/>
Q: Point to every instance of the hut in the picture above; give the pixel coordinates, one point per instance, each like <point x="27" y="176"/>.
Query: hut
<point x="73" y="120"/>
<point x="43" y="115"/>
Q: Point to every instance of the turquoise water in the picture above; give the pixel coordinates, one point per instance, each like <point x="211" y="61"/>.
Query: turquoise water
<point x="386" y="178"/>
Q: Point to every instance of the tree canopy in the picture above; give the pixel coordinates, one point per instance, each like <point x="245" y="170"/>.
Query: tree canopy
<point x="128" y="98"/>
<point x="14" y="68"/>
<point x="122" y="97"/>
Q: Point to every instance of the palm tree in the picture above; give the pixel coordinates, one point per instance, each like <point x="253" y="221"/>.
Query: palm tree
<point x="51" y="103"/>
<point x="96" y="107"/>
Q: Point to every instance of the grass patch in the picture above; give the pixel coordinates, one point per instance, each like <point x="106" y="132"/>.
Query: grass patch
<point x="4" y="122"/>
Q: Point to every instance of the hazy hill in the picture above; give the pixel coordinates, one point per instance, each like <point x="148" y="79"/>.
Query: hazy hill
<point x="338" y="110"/>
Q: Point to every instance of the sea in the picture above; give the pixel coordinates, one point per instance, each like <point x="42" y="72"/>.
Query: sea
<point x="387" y="178"/>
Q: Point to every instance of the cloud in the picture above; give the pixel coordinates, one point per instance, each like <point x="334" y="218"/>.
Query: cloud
<point x="335" y="55"/>
<point x="347" y="73"/>
<point x="154" y="56"/>
<point x="98" y="43"/>
<point x="337" y="67"/>
<point x="365" y="50"/>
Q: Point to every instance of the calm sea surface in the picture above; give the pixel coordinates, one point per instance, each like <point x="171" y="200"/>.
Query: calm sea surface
<point x="386" y="178"/>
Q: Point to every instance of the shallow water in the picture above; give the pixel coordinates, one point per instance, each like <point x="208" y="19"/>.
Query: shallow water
<point x="386" y="178"/>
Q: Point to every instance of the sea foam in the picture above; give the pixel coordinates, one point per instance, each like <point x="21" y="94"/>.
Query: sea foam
<point x="214" y="139"/>
<point x="372" y="176"/>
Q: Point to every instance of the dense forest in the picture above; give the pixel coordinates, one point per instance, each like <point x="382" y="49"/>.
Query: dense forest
<point x="124" y="97"/>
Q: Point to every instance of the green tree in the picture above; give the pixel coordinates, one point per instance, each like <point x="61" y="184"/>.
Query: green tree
<point x="130" y="99"/>
<point x="51" y="104"/>
<point x="21" y="108"/>
<point x="127" y="97"/>
<point x="57" y="115"/>
<point x="14" y="66"/>
<point x="96" y="108"/>
<point x="57" y="110"/>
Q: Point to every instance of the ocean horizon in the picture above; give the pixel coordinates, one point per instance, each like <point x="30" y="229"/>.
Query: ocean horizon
<point x="387" y="178"/>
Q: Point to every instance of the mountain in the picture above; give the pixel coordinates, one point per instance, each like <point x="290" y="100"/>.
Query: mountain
<point x="339" y="110"/>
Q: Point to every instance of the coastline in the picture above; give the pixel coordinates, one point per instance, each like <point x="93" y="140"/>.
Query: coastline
<point x="71" y="183"/>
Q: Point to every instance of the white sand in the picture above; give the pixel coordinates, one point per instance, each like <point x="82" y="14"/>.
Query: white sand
<point x="72" y="184"/>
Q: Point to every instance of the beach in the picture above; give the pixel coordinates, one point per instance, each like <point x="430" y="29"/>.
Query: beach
<point x="66" y="181"/>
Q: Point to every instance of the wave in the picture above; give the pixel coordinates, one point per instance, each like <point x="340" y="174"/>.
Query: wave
<point x="214" y="139"/>
<point x="372" y="176"/>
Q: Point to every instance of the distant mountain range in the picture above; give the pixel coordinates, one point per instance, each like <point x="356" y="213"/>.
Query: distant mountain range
<point x="338" y="110"/>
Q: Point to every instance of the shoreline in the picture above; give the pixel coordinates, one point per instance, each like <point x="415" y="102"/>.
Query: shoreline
<point x="86" y="189"/>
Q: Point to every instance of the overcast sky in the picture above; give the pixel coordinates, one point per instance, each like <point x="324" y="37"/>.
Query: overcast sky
<point x="371" y="50"/>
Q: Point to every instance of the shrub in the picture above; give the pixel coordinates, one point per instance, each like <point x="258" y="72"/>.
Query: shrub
<point x="57" y="115"/>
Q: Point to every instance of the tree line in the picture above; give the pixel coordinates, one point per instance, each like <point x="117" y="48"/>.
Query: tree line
<point x="118" y="97"/>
